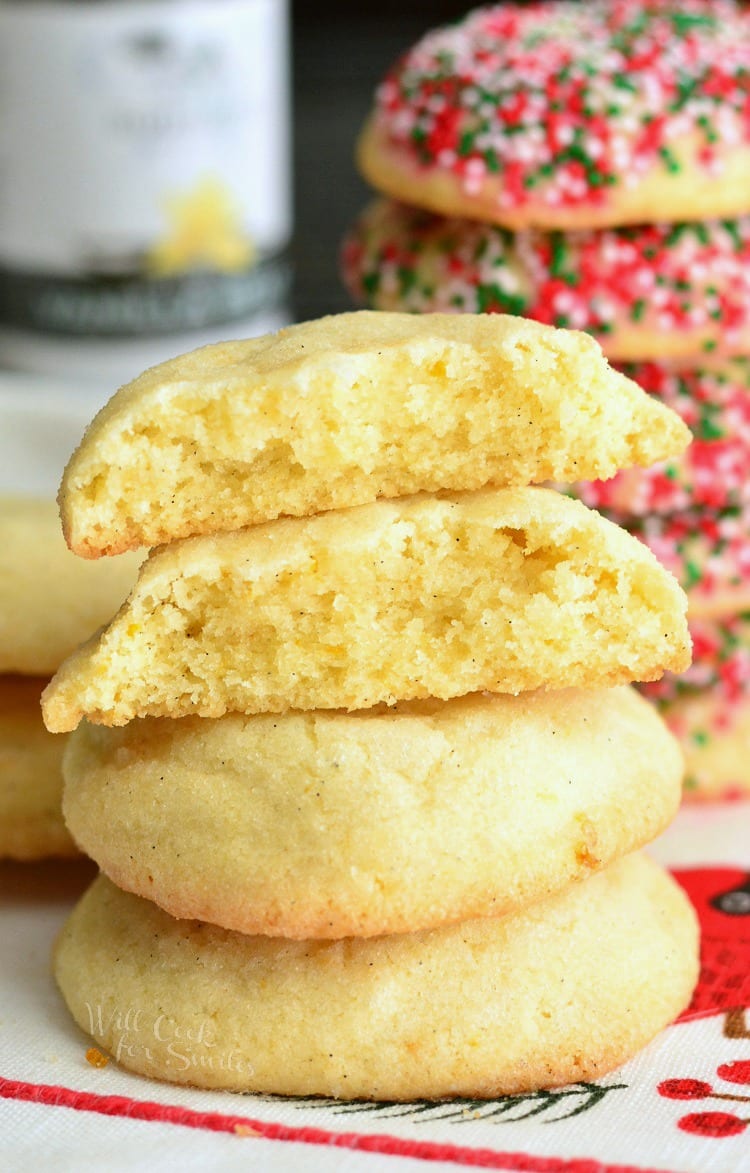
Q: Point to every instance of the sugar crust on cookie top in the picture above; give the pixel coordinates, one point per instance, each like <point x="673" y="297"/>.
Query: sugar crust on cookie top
<point x="453" y="1011"/>
<point x="388" y="820"/>
<point x="563" y="114"/>
<point x="505" y="590"/>
<point x="644" y="291"/>
<point x="342" y="410"/>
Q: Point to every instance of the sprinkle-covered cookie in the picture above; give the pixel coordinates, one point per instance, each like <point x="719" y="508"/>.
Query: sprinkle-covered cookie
<point x="708" y="552"/>
<point x="565" y="115"/>
<point x="505" y="590"/>
<point x="646" y="291"/>
<point x="721" y="663"/>
<point x="714" y="473"/>
<point x="482" y="1008"/>
<point x="344" y="410"/>
<point x="331" y="825"/>
<point x="714" y="732"/>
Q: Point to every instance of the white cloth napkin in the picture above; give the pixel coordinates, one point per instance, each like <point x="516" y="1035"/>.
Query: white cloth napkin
<point x="661" y="1112"/>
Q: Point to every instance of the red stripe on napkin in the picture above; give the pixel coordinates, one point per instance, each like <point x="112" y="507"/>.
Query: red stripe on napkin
<point x="244" y="1128"/>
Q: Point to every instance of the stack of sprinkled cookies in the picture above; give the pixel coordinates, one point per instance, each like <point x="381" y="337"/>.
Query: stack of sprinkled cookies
<point x="49" y="602"/>
<point x="361" y="765"/>
<point x="572" y="163"/>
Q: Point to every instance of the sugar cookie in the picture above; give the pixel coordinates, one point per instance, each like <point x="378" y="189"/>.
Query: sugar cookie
<point x="505" y="589"/>
<point x="565" y="990"/>
<point x="31" y="781"/>
<point x="720" y="666"/>
<point x="50" y="602"/>
<point x="714" y="731"/>
<point x="708" y="552"/>
<point x="644" y="291"/>
<point x="713" y="398"/>
<point x="343" y="410"/>
<point x="564" y="115"/>
<point x="384" y="821"/>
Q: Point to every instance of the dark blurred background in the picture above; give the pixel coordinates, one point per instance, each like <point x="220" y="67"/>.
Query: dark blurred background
<point x="340" y="52"/>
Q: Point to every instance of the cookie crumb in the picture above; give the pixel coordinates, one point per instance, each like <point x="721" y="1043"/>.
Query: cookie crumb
<point x="96" y="1058"/>
<point x="246" y="1130"/>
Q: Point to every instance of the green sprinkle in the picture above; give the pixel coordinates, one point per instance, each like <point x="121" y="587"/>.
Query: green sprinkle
<point x="371" y="283"/>
<point x="692" y="573"/>
<point x="732" y="227"/>
<point x="675" y="234"/>
<point x="407" y="278"/>
<point x="639" y="309"/>
<point x="492" y="161"/>
<point x="684" y="22"/>
<point x="686" y="87"/>
<point x="670" y="160"/>
<point x="707" y="430"/>
<point x="492" y="297"/>
<point x="559" y="255"/>
<point x="710" y="132"/>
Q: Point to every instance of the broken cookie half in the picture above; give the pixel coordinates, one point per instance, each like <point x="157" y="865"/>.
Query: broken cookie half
<point x="347" y="409"/>
<point x="429" y="596"/>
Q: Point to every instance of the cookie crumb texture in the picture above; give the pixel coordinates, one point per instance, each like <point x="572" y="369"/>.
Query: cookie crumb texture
<point x="482" y="1008"/>
<point x="506" y="590"/>
<point x="570" y="115"/>
<point x="346" y="409"/>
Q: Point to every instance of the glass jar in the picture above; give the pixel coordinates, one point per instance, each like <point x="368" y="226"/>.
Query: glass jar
<point x="145" y="196"/>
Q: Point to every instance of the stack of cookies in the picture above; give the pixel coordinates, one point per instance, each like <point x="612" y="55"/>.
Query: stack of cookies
<point x="569" y="162"/>
<point x="360" y="763"/>
<point x="49" y="602"/>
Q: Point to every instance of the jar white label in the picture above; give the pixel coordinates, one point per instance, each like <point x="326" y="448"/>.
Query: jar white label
<point x="144" y="163"/>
